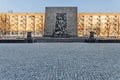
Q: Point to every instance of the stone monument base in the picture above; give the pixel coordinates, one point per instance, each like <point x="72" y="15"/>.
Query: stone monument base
<point x="56" y="39"/>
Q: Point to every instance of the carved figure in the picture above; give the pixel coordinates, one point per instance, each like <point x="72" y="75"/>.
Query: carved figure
<point x="61" y="25"/>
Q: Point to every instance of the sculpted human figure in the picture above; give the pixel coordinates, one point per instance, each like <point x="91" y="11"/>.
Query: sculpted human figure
<point x="61" y="23"/>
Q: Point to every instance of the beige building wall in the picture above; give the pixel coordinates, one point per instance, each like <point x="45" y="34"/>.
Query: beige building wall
<point x="103" y="24"/>
<point x="17" y="24"/>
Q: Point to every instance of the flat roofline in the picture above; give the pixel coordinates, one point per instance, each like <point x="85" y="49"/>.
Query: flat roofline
<point x="61" y="7"/>
<point x="79" y="13"/>
<point x="98" y="13"/>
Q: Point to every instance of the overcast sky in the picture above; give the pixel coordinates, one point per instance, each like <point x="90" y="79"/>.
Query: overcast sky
<point x="39" y="5"/>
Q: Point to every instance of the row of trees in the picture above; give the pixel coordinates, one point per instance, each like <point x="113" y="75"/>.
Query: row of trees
<point x="2" y="24"/>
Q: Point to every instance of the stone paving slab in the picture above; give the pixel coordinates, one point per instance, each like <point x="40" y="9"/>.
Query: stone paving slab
<point x="60" y="61"/>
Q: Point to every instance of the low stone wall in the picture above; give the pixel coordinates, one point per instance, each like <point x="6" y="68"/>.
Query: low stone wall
<point x="13" y="41"/>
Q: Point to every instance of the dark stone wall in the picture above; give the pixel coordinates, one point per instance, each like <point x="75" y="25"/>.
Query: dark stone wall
<point x="50" y="20"/>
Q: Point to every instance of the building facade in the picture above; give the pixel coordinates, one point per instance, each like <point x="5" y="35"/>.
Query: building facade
<point x="103" y="24"/>
<point x="18" y="24"/>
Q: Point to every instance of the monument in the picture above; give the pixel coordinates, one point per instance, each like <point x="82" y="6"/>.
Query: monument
<point x="61" y="22"/>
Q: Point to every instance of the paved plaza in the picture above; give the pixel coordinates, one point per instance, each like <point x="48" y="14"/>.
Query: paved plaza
<point x="60" y="61"/>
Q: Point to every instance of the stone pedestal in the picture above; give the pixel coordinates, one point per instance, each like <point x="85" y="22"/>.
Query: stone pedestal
<point x="29" y="34"/>
<point x="29" y="37"/>
<point x="91" y="35"/>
